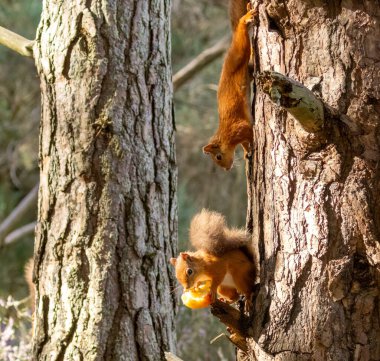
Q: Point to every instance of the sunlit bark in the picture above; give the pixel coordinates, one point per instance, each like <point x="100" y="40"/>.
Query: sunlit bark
<point x="314" y="206"/>
<point x="107" y="207"/>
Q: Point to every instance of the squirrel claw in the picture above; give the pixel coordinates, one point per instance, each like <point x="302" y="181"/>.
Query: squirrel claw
<point x="251" y="16"/>
<point x="248" y="305"/>
<point x="248" y="150"/>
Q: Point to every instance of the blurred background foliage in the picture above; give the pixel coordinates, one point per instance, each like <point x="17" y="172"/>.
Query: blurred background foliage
<point x="196" y="25"/>
<point x="19" y="125"/>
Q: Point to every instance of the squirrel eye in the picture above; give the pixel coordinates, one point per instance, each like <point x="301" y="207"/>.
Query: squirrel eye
<point x="219" y="157"/>
<point x="189" y="271"/>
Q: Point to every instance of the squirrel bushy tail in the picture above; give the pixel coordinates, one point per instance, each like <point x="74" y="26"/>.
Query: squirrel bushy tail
<point x="209" y="232"/>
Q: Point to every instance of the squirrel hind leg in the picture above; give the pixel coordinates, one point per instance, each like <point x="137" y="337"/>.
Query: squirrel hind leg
<point x="248" y="303"/>
<point x="230" y="294"/>
<point x="214" y="293"/>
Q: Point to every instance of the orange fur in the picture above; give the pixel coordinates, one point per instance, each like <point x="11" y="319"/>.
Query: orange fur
<point x="221" y="252"/>
<point x="206" y="266"/>
<point x="233" y="98"/>
<point x="208" y="231"/>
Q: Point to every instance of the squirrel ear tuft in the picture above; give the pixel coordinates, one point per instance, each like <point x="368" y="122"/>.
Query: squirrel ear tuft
<point x="210" y="148"/>
<point x="206" y="149"/>
<point x="185" y="256"/>
<point x="173" y="261"/>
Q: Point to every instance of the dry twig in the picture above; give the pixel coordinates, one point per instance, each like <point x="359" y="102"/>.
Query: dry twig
<point x="27" y="203"/>
<point x="237" y="323"/>
<point x="197" y="64"/>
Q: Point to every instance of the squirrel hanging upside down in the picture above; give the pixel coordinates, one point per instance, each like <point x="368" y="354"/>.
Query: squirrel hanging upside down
<point x="233" y="92"/>
<point x="223" y="256"/>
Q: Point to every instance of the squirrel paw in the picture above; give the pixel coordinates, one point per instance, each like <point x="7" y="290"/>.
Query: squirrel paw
<point x="251" y="16"/>
<point x="248" y="155"/>
<point x="248" y="150"/>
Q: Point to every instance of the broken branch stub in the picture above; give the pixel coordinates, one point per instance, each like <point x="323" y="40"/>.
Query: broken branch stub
<point x="16" y="42"/>
<point x="298" y="100"/>
<point x="171" y="357"/>
<point x="238" y="325"/>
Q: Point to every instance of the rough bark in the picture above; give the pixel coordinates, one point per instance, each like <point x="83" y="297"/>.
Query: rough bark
<point x="107" y="207"/>
<point x="314" y="205"/>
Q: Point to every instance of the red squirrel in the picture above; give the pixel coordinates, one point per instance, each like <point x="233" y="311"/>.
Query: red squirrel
<point x="223" y="256"/>
<point x="233" y="92"/>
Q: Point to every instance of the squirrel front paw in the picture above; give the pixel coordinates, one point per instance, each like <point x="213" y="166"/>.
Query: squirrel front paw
<point x="248" y="150"/>
<point x="252" y="15"/>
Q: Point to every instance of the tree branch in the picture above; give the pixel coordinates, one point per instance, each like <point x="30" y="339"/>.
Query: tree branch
<point x="170" y="357"/>
<point x="295" y="98"/>
<point x="20" y="233"/>
<point x="237" y="323"/>
<point x="16" y="42"/>
<point x="27" y="203"/>
<point x="203" y="59"/>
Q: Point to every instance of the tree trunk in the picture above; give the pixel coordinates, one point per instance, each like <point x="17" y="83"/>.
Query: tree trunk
<point x="107" y="199"/>
<point x="314" y="205"/>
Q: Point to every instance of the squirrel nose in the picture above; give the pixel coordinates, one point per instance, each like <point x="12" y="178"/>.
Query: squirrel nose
<point x="228" y="167"/>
